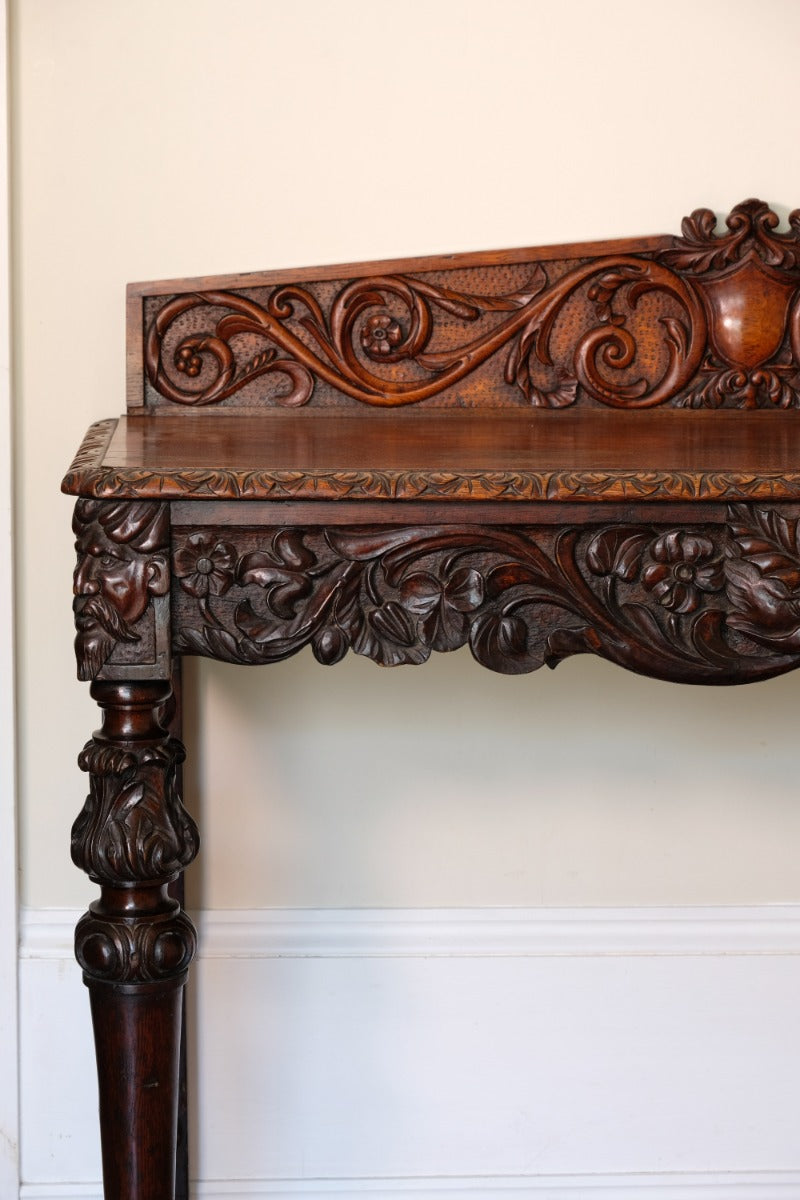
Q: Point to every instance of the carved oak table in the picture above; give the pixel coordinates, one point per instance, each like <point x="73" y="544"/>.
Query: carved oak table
<point x="587" y="448"/>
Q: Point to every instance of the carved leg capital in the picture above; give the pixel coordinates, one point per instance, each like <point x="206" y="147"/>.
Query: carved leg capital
<point x="142" y="949"/>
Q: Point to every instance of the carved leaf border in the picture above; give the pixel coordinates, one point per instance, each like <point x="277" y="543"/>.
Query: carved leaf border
<point x="106" y="483"/>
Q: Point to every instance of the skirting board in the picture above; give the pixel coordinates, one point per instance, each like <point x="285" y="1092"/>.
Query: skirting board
<point x="779" y="1185"/>
<point x="487" y="978"/>
<point x="460" y="932"/>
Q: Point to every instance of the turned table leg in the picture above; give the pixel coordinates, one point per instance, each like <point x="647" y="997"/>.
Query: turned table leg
<point x="172" y="719"/>
<point x="135" y="944"/>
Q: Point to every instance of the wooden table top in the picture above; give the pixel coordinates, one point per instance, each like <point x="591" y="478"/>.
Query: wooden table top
<point x="525" y="454"/>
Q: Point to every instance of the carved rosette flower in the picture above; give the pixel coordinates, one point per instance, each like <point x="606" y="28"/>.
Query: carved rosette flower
<point x="205" y="567"/>
<point x="685" y="565"/>
<point x="380" y="335"/>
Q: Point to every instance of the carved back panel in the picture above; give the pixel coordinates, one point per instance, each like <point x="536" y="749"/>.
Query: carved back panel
<point x="709" y="319"/>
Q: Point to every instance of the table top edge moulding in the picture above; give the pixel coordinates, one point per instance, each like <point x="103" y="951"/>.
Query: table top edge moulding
<point x="592" y="448"/>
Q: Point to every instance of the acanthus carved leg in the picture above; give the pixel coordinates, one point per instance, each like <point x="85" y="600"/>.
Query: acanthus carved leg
<point x="135" y="944"/>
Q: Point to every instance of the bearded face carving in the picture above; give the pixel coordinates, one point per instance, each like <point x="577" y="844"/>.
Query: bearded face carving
<point x="122" y="562"/>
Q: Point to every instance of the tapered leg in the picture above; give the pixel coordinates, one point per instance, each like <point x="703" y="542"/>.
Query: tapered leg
<point x="135" y="944"/>
<point x="172" y="718"/>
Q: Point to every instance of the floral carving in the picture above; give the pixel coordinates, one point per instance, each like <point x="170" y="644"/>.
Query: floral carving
<point x="204" y="566"/>
<point x="395" y="320"/>
<point x="443" y="604"/>
<point x="685" y="565"/>
<point x="403" y="338"/>
<point x="380" y="336"/>
<point x="702" y="603"/>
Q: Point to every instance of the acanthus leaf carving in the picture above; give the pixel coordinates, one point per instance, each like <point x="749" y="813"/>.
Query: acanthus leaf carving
<point x="133" y="827"/>
<point x="694" y="602"/>
<point x="380" y="323"/>
<point x="397" y="338"/>
<point x="751" y="233"/>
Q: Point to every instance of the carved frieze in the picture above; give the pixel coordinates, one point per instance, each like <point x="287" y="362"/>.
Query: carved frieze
<point x="710" y="320"/>
<point x="391" y="321"/>
<point x="701" y="602"/>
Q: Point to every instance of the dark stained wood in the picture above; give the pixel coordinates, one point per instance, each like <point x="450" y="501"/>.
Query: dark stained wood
<point x="172" y="720"/>
<point x="533" y="455"/>
<point x="591" y="448"/>
<point x="135" y="944"/>
<point x="685" y="602"/>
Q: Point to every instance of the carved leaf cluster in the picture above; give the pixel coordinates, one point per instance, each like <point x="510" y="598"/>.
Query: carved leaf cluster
<point x="133" y="827"/>
<point x="717" y="386"/>
<point x="711" y="603"/>
<point x="764" y="578"/>
<point x="751" y="231"/>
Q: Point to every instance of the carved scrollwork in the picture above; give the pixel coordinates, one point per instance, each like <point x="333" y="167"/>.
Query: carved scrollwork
<point x="722" y="329"/>
<point x="379" y="343"/>
<point x="708" y="603"/>
<point x="135" y="950"/>
<point x="133" y="827"/>
<point x="751" y="234"/>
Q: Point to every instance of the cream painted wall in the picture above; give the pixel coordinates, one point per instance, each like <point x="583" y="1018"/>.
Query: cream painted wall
<point x="159" y="139"/>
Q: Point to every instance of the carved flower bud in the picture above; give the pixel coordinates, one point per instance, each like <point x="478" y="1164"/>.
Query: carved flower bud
<point x="329" y="646"/>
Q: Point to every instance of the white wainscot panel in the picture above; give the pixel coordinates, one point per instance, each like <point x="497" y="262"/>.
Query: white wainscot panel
<point x="454" y="1054"/>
